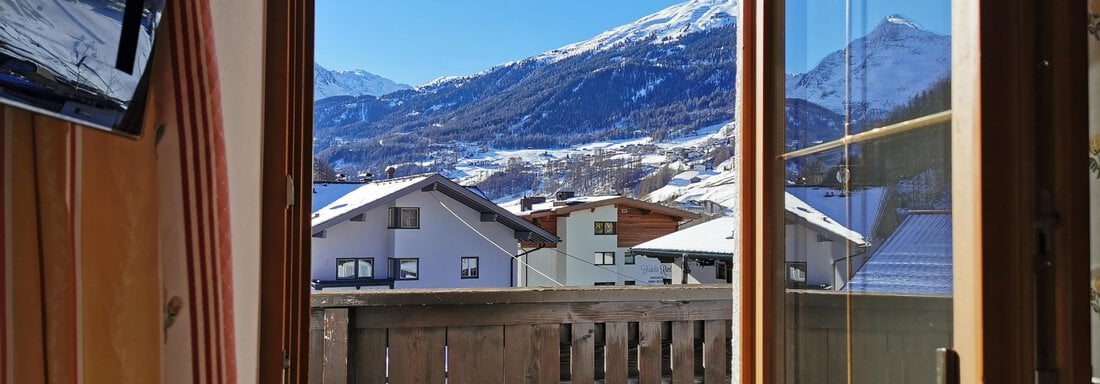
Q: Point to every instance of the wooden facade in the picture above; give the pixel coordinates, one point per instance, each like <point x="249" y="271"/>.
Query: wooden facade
<point x="637" y="221"/>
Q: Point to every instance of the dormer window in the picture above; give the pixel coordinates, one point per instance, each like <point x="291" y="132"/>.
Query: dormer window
<point x="404" y="218"/>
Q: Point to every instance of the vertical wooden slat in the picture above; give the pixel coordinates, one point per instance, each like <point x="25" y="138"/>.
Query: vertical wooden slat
<point x="531" y="353"/>
<point x="475" y="354"/>
<point x="335" y="369"/>
<point x="615" y="368"/>
<point x="416" y="355"/>
<point x="367" y="362"/>
<point x="683" y="363"/>
<point x="714" y="352"/>
<point x="649" y="352"/>
<point x="316" y="345"/>
<point x="582" y="354"/>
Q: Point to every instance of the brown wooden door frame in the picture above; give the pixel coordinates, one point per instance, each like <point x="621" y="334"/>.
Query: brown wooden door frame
<point x="1018" y="132"/>
<point x="286" y="201"/>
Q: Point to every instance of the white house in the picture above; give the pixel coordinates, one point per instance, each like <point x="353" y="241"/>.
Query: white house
<point x="421" y="231"/>
<point x="700" y="254"/>
<point x="820" y="252"/>
<point x="595" y="234"/>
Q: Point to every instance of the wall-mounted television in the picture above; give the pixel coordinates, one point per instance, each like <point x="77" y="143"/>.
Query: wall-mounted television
<point x="84" y="61"/>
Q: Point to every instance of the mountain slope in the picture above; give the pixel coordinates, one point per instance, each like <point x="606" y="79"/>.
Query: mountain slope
<point x="890" y="65"/>
<point x="327" y="83"/>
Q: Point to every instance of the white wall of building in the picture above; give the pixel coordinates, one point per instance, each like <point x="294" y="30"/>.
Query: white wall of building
<point x="803" y="244"/>
<point x="578" y="239"/>
<point x="440" y="243"/>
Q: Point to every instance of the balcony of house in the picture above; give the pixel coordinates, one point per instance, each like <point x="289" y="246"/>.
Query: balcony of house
<point x="608" y="334"/>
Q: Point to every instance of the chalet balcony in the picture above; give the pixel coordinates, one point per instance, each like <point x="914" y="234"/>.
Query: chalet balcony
<point x="679" y="334"/>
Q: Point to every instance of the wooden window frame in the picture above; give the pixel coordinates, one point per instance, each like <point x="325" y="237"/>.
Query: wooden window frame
<point x="1024" y="83"/>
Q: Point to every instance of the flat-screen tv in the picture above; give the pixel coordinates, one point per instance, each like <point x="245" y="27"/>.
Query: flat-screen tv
<point x="84" y="61"/>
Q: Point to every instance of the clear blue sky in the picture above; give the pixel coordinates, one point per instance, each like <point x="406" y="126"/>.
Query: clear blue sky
<point x="815" y="28"/>
<point x="416" y="41"/>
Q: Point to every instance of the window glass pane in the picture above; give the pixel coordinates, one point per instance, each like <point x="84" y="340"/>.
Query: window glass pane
<point x="345" y="269"/>
<point x="408" y="269"/>
<point x="410" y="218"/>
<point x="469" y="267"/>
<point x="868" y="219"/>
<point x="366" y="268"/>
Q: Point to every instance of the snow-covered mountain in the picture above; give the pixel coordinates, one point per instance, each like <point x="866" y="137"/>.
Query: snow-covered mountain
<point x="328" y="83"/>
<point x="665" y="26"/>
<point x="889" y="66"/>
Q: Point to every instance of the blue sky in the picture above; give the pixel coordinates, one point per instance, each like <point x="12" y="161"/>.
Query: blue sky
<point x="415" y="41"/>
<point x="815" y="28"/>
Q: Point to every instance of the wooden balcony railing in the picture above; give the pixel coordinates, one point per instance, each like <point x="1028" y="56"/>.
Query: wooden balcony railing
<point x="574" y="334"/>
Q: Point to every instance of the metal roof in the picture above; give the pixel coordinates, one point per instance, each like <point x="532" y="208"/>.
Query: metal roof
<point x="713" y="239"/>
<point x="915" y="259"/>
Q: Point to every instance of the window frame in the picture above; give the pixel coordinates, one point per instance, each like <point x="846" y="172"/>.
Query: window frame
<point x="630" y="259"/>
<point x="603" y="258"/>
<point x="396" y="268"/>
<point x="462" y="267"/>
<point x="356" y="260"/>
<point x="598" y="231"/>
<point x="396" y="217"/>
<point x="1027" y="114"/>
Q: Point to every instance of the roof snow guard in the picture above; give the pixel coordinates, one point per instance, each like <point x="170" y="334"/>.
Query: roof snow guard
<point x="379" y="193"/>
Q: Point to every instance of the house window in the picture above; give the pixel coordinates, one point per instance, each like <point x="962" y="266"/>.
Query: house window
<point x="796" y="274"/>
<point x="360" y="268"/>
<point x="629" y="282"/>
<point x="404" y="218"/>
<point x="469" y="267"/>
<point x="628" y="259"/>
<point x="721" y="270"/>
<point x="605" y="228"/>
<point x="605" y="258"/>
<point x="406" y="269"/>
<point x="822" y="238"/>
<point x="599" y="283"/>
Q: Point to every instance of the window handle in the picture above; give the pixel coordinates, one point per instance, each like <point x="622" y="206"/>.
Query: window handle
<point x="947" y="366"/>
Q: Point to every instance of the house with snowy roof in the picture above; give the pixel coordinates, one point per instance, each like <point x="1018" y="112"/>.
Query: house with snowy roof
<point x="821" y="252"/>
<point x="700" y="254"/>
<point x="595" y="233"/>
<point x="422" y="231"/>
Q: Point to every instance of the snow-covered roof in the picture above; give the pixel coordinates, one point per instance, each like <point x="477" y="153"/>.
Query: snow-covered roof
<point x="713" y="238"/>
<point x="326" y="193"/>
<point x="915" y="259"/>
<point x="561" y="207"/>
<point x="552" y="205"/>
<point x="812" y="216"/>
<point x="859" y="210"/>
<point x="370" y="195"/>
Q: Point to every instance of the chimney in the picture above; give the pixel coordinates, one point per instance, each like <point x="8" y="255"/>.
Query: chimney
<point x="564" y="195"/>
<point x="527" y="203"/>
<point x="366" y="177"/>
<point x="390" y="171"/>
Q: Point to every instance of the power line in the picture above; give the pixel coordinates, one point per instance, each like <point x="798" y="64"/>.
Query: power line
<point x="512" y="256"/>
